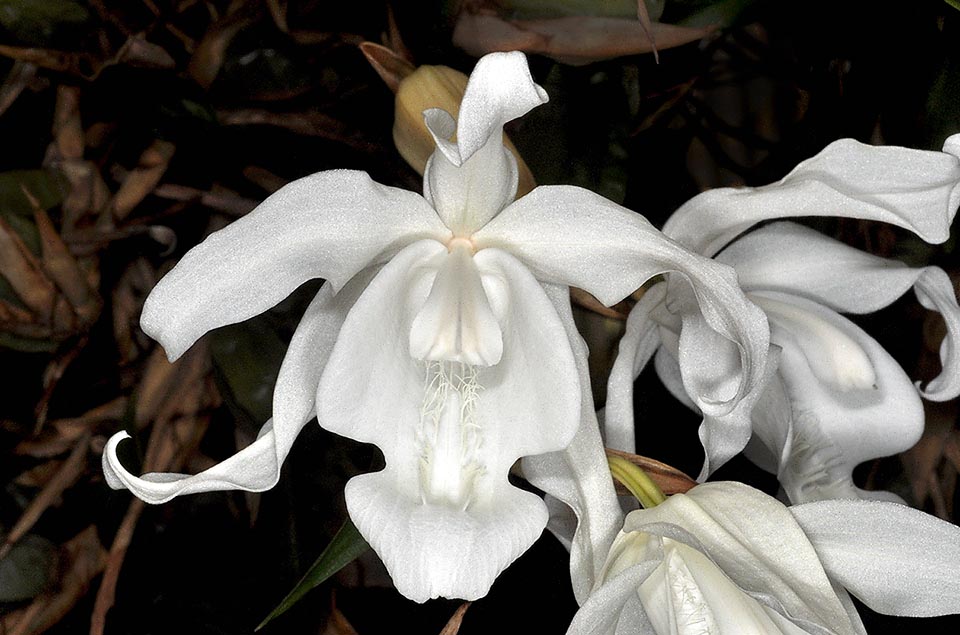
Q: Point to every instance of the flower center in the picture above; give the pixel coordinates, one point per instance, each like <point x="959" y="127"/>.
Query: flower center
<point x="448" y="436"/>
<point x="461" y="242"/>
<point x="456" y="323"/>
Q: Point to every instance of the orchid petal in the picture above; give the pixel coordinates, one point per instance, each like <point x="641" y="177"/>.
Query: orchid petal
<point x="756" y="543"/>
<point x="795" y="259"/>
<point x="915" y="189"/>
<point x="575" y="237"/>
<point x="936" y="292"/>
<point x="578" y="475"/>
<point x="442" y="514"/>
<point x="257" y="467"/>
<point x="710" y="367"/>
<point x="696" y="366"/>
<point x="470" y="180"/>
<point x="791" y="258"/>
<point x="603" y="609"/>
<point x="327" y="225"/>
<point x="529" y="419"/>
<point x="897" y="560"/>
<point x="639" y="342"/>
<point x="839" y="417"/>
<point x="457" y="323"/>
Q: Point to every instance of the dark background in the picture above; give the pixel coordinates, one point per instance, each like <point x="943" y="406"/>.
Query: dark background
<point x="779" y="81"/>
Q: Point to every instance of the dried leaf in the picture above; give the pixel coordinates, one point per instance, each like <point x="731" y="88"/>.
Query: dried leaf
<point x="137" y="51"/>
<point x="71" y="470"/>
<point x="224" y="201"/>
<point x="61" y="267"/>
<point x="62" y="434"/>
<point x="585" y="300"/>
<point x="21" y="268"/>
<point x="309" y="124"/>
<point x="337" y="622"/>
<point x="453" y="625"/>
<point x="141" y="180"/>
<point x="20" y="76"/>
<point x="211" y="52"/>
<point x="67" y="127"/>
<point x="573" y="40"/>
<point x="391" y="67"/>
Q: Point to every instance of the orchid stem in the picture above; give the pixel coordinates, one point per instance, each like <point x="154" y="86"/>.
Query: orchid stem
<point x="636" y="480"/>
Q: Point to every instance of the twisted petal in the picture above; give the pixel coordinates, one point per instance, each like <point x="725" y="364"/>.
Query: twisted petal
<point x="442" y="514"/>
<point x="578" y="475"/>
<point x="639" y="342"/>
<point x="844" y="400"/>
<point x="574" y="237"/>
<point x="257" y="467"/>
<point x="897" y="560"/>
<point x="470" y="180"/>
<point x="756" y="542"/>
<point x="327" y="225"/>
<point x="914" y="189"/>
<point x="794" y="259"/>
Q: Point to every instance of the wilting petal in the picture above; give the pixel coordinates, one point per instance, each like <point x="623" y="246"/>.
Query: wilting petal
<point x="897" y="560"/>
<point x="756" y="542"/>
<point x="915" y="189"/>
<point x="327" y="225"/>
<point x="849" y="400"/>
<point x="442" y="514"/>
<point x="578" y="475"/>
<point x="639" y="342"/>
<point x="470" y="180"/>
<point x="794" y="259"/>
<point x="575" y="237"/>
<point x="257" y="467"/>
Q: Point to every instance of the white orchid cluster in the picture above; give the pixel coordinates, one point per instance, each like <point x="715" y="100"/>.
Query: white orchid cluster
<point x="444" y="335"/>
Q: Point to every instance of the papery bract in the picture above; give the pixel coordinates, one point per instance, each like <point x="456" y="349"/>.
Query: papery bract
<point x="443" y="334"/>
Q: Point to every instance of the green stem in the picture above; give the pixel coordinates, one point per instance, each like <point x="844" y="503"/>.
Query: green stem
<point x="636" y="480"/>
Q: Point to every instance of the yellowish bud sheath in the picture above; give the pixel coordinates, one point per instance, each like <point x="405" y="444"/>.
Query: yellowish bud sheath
<point x="636" y="480"/>
<point x="435" y="87"/>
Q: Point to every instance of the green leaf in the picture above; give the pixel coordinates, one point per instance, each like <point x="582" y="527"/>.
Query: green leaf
<point x="525" y="9"/>
<point x="345" y="547"/>
<point x="25" y="344"/>
<point x="247" y="358"/>
<point x="26" y="570"/>
<point x="722" y="14"/>
<point x="47" y="186"/>
<point x="953" y="3"/>
<point x="43" y="23"/>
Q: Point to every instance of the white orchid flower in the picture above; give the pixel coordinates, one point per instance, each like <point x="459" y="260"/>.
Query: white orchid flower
<point x="442" y="334"/>
<point x="726" y="559"/>
<point x="838" y="398"/>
